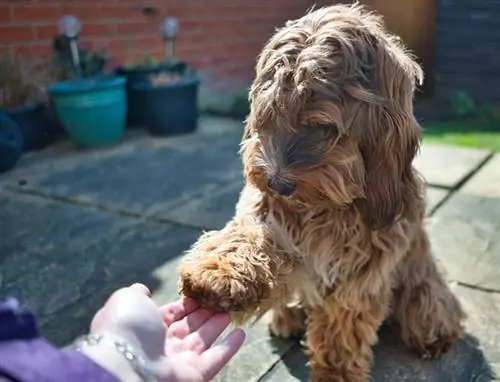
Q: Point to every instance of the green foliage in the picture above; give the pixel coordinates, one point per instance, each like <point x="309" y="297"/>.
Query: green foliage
<point x="147" y="62"/>
<point x="92" y="63"/>
<point x="462" y="104"/>
<point x="23" y="80"/>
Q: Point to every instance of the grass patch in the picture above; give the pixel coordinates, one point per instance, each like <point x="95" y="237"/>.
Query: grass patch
<point x="464" y="133"/>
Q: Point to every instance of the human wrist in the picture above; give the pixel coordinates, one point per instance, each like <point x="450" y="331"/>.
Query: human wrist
<point x="122" y="358"/>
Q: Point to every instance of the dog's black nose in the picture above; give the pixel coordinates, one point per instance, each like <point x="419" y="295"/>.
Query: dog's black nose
<point x="281" y="187"/>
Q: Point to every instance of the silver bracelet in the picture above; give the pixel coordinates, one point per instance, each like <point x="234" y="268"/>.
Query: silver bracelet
<point x="137" y="361"/>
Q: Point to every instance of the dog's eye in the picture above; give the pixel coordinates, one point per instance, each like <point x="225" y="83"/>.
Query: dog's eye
<point x="327" y="129"/>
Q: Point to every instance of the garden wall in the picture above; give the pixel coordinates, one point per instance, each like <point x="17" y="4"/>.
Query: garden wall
<point x="220" y="37"/>
<point x="467" y="49"/>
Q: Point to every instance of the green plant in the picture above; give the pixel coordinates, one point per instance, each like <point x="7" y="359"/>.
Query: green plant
<point x="92" y="63"/>
<point x="491" y="114"/>
<point x="462" y="104"/>
<point x="23" y="80"/>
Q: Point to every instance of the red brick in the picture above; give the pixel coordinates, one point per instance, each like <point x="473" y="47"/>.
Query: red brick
<point x="43" y="32"/>
<point x="139" y="44"/>
<point x="223" y="36"/>
<point x="10" y="34"/>
<point x="119" y="13"/>
<point x="46" y="12"/>
<point x="84" y="12"/>
<point x="32" y="50"/>
<point x="98" y="30"/>
<point x="5" y="13"/>
<point x="134" y="28"/>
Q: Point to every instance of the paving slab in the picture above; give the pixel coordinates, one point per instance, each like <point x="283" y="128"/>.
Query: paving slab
<point x="465" y="230"/>
<point x="448" y="166"/>
<point x="435" y="196"/>
<point x="475" y="358"/>
<point x="62" y="261"/>
<point x="142" y="177"/>
<point x="193" y="180"/>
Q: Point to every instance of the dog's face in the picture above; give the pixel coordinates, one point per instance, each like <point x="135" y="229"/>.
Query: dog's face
<point x="331" y="119"/>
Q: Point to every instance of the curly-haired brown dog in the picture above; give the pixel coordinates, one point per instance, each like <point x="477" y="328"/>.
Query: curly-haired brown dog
<point x="328" y="232"/>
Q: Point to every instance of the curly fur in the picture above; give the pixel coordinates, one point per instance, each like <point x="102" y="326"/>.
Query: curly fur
<point x="328" y="232"/>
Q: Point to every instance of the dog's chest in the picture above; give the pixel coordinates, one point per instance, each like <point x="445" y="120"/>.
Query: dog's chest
<point x="325" y="252"/>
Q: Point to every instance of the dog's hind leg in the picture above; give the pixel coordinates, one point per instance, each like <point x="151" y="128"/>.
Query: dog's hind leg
<point x="429" y="314"/>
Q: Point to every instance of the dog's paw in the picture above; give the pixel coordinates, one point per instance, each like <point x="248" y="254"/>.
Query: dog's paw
<point x="288" y="322"/>
<point x="219" y="288"/>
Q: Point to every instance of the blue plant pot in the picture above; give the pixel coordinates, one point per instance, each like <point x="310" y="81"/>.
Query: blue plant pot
<point x="140" y="75"/>
<point x="168" y="109"/>
<point x="92" y="111"/>
<point x="11" y="142"/>
<point x="37" y="126"/>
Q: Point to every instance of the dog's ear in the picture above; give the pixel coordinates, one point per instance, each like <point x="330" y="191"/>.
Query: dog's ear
<point x="389" y="138"/>
<point x="388" y="151"/>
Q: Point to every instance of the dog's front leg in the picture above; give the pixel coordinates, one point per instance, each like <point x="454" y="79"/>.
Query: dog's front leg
<point x="235" y="269"/>
<point x="340" y="335"/>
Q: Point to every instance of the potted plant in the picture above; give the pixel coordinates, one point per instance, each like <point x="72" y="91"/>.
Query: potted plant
<point x="163" y="94"/>
<point x="11" y="142"/>
<point x="168" y="101"/>
<point x="91" y="105"/>
<point x="138" y="73"/>
<point x="23" y="97"/>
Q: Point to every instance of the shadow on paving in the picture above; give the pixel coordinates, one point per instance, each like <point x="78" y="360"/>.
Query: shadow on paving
<point x="465" y="362"/>
<point x="63" y="261"/>
<point x="169" y="182"/>
<point x="464" y="235"/>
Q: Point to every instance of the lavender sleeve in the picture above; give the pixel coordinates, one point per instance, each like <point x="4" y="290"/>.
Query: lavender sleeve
<point x="26" y="357"/>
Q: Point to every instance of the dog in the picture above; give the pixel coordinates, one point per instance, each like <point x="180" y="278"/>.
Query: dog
<point x="328" y="233"/>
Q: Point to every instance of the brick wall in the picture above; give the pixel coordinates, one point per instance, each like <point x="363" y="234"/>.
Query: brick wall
<point x="467" y="49"/>
<point x="220" y="37"/>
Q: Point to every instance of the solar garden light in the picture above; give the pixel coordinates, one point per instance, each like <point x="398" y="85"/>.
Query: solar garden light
<point x="169" y="30"/>
<point x="70" y="27"/>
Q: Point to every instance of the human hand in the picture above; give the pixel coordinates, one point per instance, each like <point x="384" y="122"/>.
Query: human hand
<point x="176" y="338"/>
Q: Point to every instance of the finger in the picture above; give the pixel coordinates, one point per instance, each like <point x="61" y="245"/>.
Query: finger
<point x="177" y="310"/>
<point x="205" y="336"/>
<point x="214" y="359"/>
<point x="95" y="324"/>
<point x="190" y="323"/>
<point x="141" y="288"/>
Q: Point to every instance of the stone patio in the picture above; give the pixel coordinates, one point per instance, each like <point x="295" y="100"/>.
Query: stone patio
<point x="76" y="225"/>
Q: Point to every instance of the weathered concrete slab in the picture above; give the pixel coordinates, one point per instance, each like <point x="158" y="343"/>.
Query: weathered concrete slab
<point x="435" y="197"/>
<point x="475" y="358"/>
<point x="447" y="166"/>
<point x="144" y="179"/>
<point x="465" y="230"/>
<point x="211" y="211"/>
<point x="256" y="357"/>
<point x="62" y="261"/>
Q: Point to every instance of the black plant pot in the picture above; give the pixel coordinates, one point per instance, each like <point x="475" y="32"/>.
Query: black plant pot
<point x="169" y="109"/>
<point x="37" y="126"/>
<point x="11" y="143"/>
<point x="141" y="75"/>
